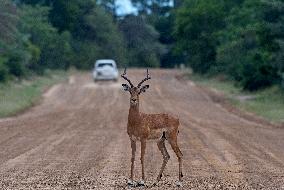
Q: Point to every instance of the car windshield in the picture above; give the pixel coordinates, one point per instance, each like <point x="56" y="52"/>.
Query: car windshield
<point x="105" y="64"/>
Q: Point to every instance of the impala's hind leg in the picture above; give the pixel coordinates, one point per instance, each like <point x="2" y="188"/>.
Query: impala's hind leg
<point x="166" y="156"/>
<point x="173" y="142"/>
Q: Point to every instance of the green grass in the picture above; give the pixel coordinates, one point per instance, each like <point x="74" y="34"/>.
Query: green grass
<point x="18" y="96"/>
<point x="267" y="103"/>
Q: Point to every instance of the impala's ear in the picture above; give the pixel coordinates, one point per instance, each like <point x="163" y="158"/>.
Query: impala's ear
<point x="143" y="88"/>
<point x="125" y="87"/>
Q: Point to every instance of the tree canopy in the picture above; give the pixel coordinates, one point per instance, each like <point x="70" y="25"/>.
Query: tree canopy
<point x="240" y="39"/>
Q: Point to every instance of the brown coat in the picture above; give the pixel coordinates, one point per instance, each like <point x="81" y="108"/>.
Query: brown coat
<point x="142" y="127"/>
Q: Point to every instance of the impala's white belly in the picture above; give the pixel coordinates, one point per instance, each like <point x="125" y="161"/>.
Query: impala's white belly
<point x="155" y="135"/>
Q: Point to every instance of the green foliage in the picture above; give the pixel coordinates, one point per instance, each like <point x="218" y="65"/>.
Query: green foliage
<point x="177" y="3"/>
<point x="267" y="103"/>
<point x="196" y="24"/>
<point x="159" y="14"/>
<point x="247" y="50"/>
<point x="68" y="15"/>
<point x="32" y="2"/>
<point x="164" y="24"/>
<point x="4" y="72"/>
<point x="35" y="57"/>
<point x="273" y="40"/>
<point x="241" y="38"/>
<point x="56" y="34"/>
<point x="28" y="42"/>
<point x="12" y="42"/>
<point x="282" y="81"/>
<point x="94" y="33"/>
<point x="8" y="22"/>
<point x="15" y="65"/>
<point x="159" y="7"/>
<point x="16" y="96"/>
<point x="109" y="5"/>
<point x="104" y="33"/>
<point x="88" y="52"/>
<point x="142" y="42"/>
<point x="49" y="49"/>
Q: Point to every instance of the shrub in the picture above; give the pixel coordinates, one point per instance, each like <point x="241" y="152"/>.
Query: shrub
<point x="15" y="65"/>
<point x="3" y="71"/>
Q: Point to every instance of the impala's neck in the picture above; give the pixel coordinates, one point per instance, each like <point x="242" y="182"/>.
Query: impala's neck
<point x="133" y="110"/>
<point x="133" y="114"/>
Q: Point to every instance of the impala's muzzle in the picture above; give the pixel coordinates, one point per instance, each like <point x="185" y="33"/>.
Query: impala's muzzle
<point x="133" y="101"/>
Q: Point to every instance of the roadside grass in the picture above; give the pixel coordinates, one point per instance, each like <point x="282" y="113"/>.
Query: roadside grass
<point x="18" y="96"/>
<point x="267" y="103"/>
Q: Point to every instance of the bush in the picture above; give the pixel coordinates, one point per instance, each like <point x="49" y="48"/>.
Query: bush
<point x="257" y="74"/>
<point x="35" y="57"/>
<point x="246" y="49"/>
<point x="15" y="65"/>
<point x="282" y="81"/>
<point x="3" y="71"/>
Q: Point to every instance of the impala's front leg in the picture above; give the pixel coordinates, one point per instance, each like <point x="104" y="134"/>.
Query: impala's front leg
<point x="143" y="148"/>
<point x="133" y="149"/>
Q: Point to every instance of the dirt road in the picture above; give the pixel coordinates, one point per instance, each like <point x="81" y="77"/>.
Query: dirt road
<point x="76" y="139"/>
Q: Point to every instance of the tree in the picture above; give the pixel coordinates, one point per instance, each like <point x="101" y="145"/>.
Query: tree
<point x="4" y="73"/>
<point x="49" y="48"/>
<point x="13" y="53"/>
<point x="8" y="21"/>
<point x="67" y="15"/>
<point x="109" y="5"/>
<point x="152" y="6"/>
<point x="98" y="31"/>
<point x="249" y="44"/>
<point x="142" y="42"/>
<point x="274" y="37"/>
<point x="196" y="25"/>
<point x="177" y="3"/>
<point x="54" y="34"/>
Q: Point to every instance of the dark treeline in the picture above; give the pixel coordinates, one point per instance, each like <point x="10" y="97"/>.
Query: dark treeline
<point x="55" y="34"/>
<point x="241" y="40"/>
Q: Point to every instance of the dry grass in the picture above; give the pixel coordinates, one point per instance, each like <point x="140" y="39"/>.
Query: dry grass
<point x="268" y="103"/>
<point x="18" y="96"/>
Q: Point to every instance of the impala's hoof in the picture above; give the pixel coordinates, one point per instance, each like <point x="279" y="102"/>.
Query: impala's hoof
<point x="141" y="183"/>
<point x="179" y="184"/>
<point x="131" y="183"/>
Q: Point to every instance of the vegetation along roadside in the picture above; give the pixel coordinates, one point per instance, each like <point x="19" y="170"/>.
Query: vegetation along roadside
<point x="17" y="96"/>
<point x="267" y="103"/>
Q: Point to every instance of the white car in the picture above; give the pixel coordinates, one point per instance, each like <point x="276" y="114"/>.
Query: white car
<point x="105" y="69"/>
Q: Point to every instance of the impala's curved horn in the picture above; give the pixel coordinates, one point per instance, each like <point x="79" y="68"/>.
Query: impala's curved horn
<point x="124" y="77"/>
<point x="145" y="79"/>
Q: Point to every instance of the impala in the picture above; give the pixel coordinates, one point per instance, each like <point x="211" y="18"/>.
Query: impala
<point x="142" y="127"/>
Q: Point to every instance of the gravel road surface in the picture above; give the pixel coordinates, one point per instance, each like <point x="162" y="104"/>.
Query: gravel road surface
<point x="76" y="139"/>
